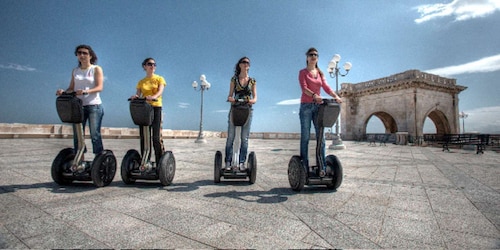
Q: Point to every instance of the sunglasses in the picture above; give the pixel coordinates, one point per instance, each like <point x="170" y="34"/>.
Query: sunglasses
<point x="151" y="64"/>
<point x="245" y="62"/>
<point x="85" y="53"/>
<point x="312" y="54"/>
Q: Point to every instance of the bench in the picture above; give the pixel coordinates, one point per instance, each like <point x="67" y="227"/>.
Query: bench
<point x="432" y="139"/>
<point x="478" y="140"/>
<point x="494" y="142"/>
<point x="381" y="138"/>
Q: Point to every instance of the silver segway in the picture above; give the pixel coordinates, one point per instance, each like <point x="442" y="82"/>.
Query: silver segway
<point x="240" y="111"/>
<point x="329" y="175"/>
<point x="69" y="166"/>
<point x="134" y="166"/>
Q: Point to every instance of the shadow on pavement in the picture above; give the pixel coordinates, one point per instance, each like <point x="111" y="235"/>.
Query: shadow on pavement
<point x="75" y="187"/>
<point x="275" y="195"/>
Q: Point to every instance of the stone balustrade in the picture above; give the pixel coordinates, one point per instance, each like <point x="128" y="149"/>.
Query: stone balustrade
<point x="21" y="130"/>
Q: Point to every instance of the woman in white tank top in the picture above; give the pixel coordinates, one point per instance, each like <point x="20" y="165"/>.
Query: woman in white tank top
<point x="87" y="83"/>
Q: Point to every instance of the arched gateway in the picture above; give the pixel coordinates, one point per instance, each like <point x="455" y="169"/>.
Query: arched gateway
<point x="402" y="102"/>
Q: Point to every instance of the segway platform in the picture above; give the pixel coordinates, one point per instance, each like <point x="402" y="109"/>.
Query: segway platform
<point x="235" y="173"/>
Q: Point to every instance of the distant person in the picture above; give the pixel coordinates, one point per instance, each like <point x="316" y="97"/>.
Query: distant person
<point x="241" y="87"/>
<point x="151" y="87"/>
<point x="87" y="83"/>
<point x="311" y="80"/>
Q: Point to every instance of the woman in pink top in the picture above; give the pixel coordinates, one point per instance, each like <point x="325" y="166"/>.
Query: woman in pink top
<point x="311" y="80"/>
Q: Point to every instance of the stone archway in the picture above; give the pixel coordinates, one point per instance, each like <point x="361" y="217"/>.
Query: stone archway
<point x="440" y="121"/>
<point x="388" y="121"/>
<point x="402" y="102"/>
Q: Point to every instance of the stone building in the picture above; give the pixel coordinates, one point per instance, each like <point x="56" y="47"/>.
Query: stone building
<point x="402" y="102"/>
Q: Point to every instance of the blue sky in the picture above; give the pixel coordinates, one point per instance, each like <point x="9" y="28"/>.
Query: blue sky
<point x="453" y="38"/>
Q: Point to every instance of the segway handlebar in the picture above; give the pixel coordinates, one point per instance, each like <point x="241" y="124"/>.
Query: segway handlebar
<point x="240" y="101"/>
<point x="330" y="102"/>
<point x="68" y="93"/>
<point x="141" y="98"/>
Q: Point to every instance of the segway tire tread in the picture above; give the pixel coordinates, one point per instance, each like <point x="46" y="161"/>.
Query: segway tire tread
<point x="63" y="159"/>
<point x="296" y="173"/>
<point x="217" y="167"/>
<point x="103" y="168"/>
<point x="131" y="160"/>
<point x="252" y="167"/>
<point x="337" y="172"/>
<point x="167" y="168"/>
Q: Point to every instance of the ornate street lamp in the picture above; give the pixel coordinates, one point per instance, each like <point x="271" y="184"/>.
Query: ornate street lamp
<point x="463" y="115"/>
<point x="334" y="71"/>
<point x="204" y="85"/>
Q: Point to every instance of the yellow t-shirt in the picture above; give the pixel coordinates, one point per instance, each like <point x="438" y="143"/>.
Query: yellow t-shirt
<point x="149" y="86"/>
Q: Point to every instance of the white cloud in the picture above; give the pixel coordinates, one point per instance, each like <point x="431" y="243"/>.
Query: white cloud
<point x="183" y="105"/>
<point x="16" y="66"/>
<point x="461" y="10"/>
<point x="486" y="64"/>
<point x="289" y="102"/>
<point x="483" y="120"/>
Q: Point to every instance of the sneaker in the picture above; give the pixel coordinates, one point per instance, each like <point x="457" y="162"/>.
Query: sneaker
<point x="228" y="166"/>
<point x="242" y="167"/>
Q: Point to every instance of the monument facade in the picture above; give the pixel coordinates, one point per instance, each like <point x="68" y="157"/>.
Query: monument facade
<point x="402" y="102"/>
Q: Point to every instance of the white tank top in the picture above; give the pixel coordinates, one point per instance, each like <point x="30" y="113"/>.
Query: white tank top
<point x="84" y="79"/>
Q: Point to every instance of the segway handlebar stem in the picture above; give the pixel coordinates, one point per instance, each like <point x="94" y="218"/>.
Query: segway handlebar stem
<point x="141" y="98"/>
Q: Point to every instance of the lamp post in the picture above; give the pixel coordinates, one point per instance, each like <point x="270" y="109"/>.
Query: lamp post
<point x="463" y="115"/>
<point x="334" y="71"/>
<point x="204" y="85"/>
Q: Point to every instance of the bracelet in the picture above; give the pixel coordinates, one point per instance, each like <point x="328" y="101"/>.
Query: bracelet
<point x="313" y="95"/>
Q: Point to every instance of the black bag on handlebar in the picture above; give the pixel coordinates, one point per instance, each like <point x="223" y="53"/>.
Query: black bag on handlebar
<point x="328" y="113"/>
<point x="69" y="108"/>
<point x="142" y="112"/>
<point x="239" y="114"/>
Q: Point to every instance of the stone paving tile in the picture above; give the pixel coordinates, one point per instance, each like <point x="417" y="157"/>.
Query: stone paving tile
<point x="451" y="201"/>
<point x="70" y="239"/>
<point x="467" y="224"/>
<point x="10" y="240"/>
<point x="425" y="232"/>
<point x="336" y="233"/>
<point x="461" y="240"/>
<point x="367" y="226"/>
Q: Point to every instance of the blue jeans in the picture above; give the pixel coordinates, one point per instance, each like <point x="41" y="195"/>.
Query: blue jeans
<point x="245" y="133"/>
<point x="309" y="113"/>
<point x="93" y="114"/>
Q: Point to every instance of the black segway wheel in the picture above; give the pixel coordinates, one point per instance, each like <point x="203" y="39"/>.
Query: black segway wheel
<point x="62" y="164"/>
<point x="103" y="168"/>
<point x="336" y="171"/>
<point x="296" y="173"/>
<point x="130" y="162"/>
<point x="217" y="166"/>
<point x="252" y="168"/>
<point x="167" y="168"/>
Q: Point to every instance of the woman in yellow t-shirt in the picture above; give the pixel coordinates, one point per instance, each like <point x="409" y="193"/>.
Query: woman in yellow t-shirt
<point x="151" y="87"/>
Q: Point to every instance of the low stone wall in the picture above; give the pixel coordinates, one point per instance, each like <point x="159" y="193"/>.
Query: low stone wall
<point x="20" y="130"/>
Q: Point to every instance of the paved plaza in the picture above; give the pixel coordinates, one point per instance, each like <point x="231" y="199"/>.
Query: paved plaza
<point x="391" y="197"/>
